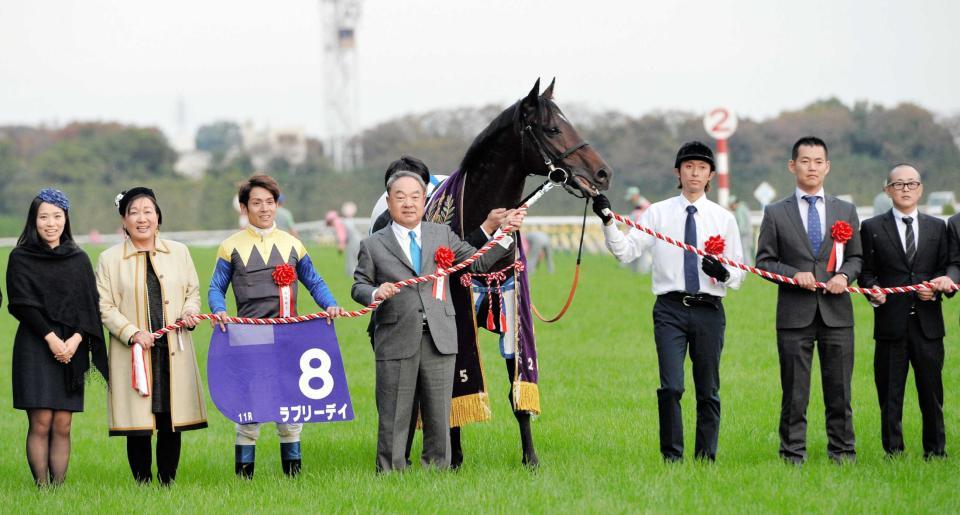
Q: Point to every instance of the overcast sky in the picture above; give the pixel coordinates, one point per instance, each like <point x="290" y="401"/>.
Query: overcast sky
<point x="130" y="60"/>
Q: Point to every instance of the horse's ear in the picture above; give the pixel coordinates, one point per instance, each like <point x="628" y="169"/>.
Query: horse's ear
<point x="530" y="105"/>
<point x="548" y="93"/>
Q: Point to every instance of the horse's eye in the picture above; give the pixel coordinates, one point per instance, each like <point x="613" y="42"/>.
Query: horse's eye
<point x="553" y="131"/>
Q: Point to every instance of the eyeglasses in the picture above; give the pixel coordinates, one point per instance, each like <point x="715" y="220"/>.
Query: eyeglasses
<point x="900" y="186"/>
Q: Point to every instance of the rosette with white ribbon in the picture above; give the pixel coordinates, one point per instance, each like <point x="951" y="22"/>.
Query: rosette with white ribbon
<point x="444" y="259"/>
<point x="285" y="277"/>
<point x="841" y="233"/>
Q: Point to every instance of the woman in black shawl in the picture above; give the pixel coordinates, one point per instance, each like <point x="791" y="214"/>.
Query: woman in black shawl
<point x="53" y="293"/>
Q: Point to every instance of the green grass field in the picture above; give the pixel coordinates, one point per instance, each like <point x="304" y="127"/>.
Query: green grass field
<point x="597" y="436"/>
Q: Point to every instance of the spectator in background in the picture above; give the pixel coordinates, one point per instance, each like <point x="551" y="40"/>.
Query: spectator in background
<point x="742" y="214"/>
<point x="638" y="205"/>
<point x="346" y="235"/>
<point x="537" y="245"/>
<point x="285" y="217"/>
<point x="882" y="202"/>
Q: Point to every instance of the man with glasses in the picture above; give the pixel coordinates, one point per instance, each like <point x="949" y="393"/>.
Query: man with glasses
<point x="903" y="247"/>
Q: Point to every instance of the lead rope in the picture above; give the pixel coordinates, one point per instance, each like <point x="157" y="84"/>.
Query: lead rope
<point x="576" y="276"/>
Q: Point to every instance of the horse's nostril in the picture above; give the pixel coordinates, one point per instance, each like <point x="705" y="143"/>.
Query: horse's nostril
<point x="602" y="174"/>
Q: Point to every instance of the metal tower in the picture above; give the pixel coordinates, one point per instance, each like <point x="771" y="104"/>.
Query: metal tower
<point x="339" y="20"/>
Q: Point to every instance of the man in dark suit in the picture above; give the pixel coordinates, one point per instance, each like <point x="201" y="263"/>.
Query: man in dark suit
<point x="415" y="336"/>
<point x="903" y="247"/>
<point x="953" y="268"/>
<point x="796" y="241"/>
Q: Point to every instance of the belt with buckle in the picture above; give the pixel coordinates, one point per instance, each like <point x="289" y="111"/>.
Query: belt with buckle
<point x="690" y="299"/>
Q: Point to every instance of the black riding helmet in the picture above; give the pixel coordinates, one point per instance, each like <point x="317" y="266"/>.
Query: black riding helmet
<point x="695" y="150"/>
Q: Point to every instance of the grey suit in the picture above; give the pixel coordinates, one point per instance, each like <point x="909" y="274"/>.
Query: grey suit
<point x="414" y="341"/>
<point x="804" y="317"/>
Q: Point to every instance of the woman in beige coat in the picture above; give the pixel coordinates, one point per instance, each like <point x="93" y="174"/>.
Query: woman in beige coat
<point x="145" y="283"/>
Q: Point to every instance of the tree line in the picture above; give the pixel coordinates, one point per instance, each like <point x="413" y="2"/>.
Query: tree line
<point x="93" y="161"/>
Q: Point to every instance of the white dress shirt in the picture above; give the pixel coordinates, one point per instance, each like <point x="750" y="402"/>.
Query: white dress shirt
<point x="403" y="238"/>
<point x="821" y="209"/>
<point x="902" y="228"/>
<point x="669" y="217"/>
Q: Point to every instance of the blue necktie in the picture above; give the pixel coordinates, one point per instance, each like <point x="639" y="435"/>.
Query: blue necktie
<point x="691" y="276"/>
<point x="414" y="252"/>
<point x="813" y="223"/>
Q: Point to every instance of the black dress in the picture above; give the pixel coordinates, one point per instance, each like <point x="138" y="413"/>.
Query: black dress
<point x="159" y="354"/>
<point x="39" y="380"/>
<point x="53" y="290"/>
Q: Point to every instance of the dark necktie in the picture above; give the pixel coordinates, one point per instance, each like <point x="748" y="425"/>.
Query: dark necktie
<point x="910" y="240"/>
<point x="414" y="252"/>
<point x="691" y="276"/>
<point x="813" y="223"/>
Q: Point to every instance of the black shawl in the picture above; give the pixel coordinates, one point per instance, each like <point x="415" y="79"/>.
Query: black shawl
<point x="60" y="283"/>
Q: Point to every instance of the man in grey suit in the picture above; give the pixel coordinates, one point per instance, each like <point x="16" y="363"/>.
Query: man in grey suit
<point x="415" y="335"/>
<point x="795" y="243"/>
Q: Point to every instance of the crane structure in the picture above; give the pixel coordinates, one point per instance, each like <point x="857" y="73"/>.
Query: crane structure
<point x="341" y="104"/>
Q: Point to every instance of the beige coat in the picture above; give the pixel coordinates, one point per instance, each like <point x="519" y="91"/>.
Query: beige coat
<point x="122" y="283"/>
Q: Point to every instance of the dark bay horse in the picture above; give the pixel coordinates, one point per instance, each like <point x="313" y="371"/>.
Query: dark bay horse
<point x="531" y="137"/>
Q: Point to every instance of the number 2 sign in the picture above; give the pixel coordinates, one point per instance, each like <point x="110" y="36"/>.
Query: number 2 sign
<point x="280" y="373"/>
<point x="720" y="122"/>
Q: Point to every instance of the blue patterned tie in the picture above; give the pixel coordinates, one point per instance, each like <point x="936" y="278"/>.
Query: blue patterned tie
<point x="813" y="223"/>
<point x="691" y="276"/>
<point x="414" y="252"/>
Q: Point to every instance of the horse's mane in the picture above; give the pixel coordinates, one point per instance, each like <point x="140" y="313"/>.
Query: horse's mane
<point x="478" y="148"/>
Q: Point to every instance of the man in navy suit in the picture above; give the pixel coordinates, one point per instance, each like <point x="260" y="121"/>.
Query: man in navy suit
<point x="903" y="247"/>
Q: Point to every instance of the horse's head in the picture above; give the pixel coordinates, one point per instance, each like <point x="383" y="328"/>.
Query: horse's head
<point x="548" y="137"/>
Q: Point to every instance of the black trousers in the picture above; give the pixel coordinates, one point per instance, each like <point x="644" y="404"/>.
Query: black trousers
<point x="700" y="327"/>
<point x="891" y="363"/>
<point x="835" y="349"/>
<point x="139" y="453"/>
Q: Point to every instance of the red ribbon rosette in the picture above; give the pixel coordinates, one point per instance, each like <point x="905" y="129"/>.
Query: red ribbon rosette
<point x="285" y="276"/>
<point x="714" y="245"/>
<point x="444" y="259"/>
<point x="841" y="233"/>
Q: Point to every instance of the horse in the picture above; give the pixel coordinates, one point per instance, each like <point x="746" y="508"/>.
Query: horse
<point x="531" y="137"/>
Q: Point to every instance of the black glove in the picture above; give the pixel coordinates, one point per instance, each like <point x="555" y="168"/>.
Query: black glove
<point x="714" y="268"/>
<point x="600" y="203"/>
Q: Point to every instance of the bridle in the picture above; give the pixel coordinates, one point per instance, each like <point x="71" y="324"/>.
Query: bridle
<point x="555" y="174"/>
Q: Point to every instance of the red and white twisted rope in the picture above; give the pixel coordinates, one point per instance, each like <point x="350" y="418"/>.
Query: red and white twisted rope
<point x="763" y="273"/>
<point x="349" y="314"/>
<point x="500" y="235"/>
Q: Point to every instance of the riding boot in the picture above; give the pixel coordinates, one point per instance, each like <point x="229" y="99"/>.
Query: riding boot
<point x="290" y="458"/>
<point x="530" y="458"/>
<point x="246" y="455"/>
<point x="456" y="451"/>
